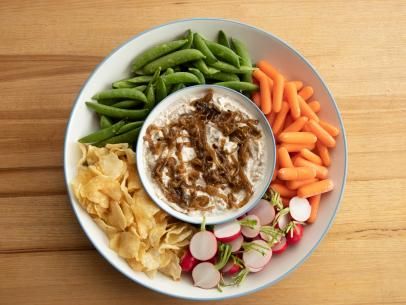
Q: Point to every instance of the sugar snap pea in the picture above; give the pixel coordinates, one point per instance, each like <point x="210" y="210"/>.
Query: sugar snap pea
<point x="156" y="52"/>
<point x="167" y="72"/>
<point x="127" y="104"/>
<point x="173" y="59"/>
<point x="201" y="65"/>
<point x="141" y="88"/>
<point x="239" y="86"/>
<point x="178" y="87"/>
<point x="224" y="53"/>
<point x="223" y="76"/>
<point x="102" y="134"/>
<point x="105" y="122"/>
<point x="129" y="93"/>
<point x="127" y="137"/>
<point x="180" y="77"/>
<point x="150" y="97"/>
<point x="222" y="39"/>
<point x="189" y="37"/>
<point x="142" y="79"/>
<point x="129" y="126"/>
<point x="198" y="74"/>
<point x="113" y="112"/>
<point x="225" y="67"/>
<point x="161" y="91"/>
<point x="123" y="84"/>
<point x="200" y="44"/>
<point x="245" y="60"/>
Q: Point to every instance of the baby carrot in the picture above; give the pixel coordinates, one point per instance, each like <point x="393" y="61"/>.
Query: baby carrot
<point x="296" y="125"/>
<point x="267" y="68"/>
<point x="284" y="158"/>
<point x="306" y="92"/>
<point x="323" y="153"/>
<point x="315" y="188"/>
<point x="277" y="92"/>
<point x="295" y="184"/>
<point x="311" y="156"/>
<point x="306" y="110"/>
<point x="288" y="121"/>
<point x="295" y="147"/>
<point x="296" y="137"/>
<point x="280" y="119"/>
<point x="291" y="96"/>
<point x="282" y="190"/>
<point x="271" y="118"/>
<point x="331" y="129"/>
<point x="298" y="84"/>
<point x="314" y="203"/>
<point x="256" y="98"/>
<point x="315" y="106"/>
<point x="296" y="173"/>
<point x="321" y="171"/>
<point x="264" y="88"/>
<point x="294" y="156"/>
<point x="321" y="134"/>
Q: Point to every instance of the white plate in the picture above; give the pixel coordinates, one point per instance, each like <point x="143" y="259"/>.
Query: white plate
<point x="262" y="45"/>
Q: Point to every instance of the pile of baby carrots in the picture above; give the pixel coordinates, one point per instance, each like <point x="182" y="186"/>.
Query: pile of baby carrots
<point x="303" y="139"/>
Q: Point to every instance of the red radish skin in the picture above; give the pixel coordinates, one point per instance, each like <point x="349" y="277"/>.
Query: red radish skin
<point x="247" y="231"/>
<point x="264" y="211"/>
<point x="236" y="243"/>
<point x="230" y="268"/>
<point x="254" y="259"/>
<point x="205" y="275"/>
<point x="300" y="209"/>
<point x="283" y="221"/>
<point x="296" y="235"/>
<point x="188" y="262"/>
<point x="203" y="245"/>
<point x="227" y="232"/>
<point x="280" y="247"/>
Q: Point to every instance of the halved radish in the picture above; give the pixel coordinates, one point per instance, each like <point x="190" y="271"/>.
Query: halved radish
<point x="205" y="275"/>
<point x="283" y="221"/>
<point x="264" y="211"/>
<point x="230" y="268"/>
<point x="280" y="246"/>
<point x="300" y="208"/>
<point x="203" y="245"/>
<point x="253" y="231"/>
<point x="236" y="243"/>
<point x="257" y="256"/>
<point x="295" y="235"/>
<point x="267" y="237"/>
<point x="254" y="269"/>
<point x="227" y="232"/>
<point x="188" y="262"/>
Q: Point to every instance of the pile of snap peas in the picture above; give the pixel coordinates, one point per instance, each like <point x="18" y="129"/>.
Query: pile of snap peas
<point x="162" y="70"/>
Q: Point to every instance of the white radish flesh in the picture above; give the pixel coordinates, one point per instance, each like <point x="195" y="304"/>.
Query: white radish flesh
<point x="205" y="275"/>
<point x="227" y="232"/>
<point x="257" y="257"/>
<point x="265" y="236"/>
<point x="280" y="246"/>
<point x="254" y="269"/>
<point x="283" y="221"/>
<point x="300" y="208"/>
<point x="203" y="245"/>
<point x="236" y="243"/>
<point x="264" y="211"/>
<point x="251" y="232"/>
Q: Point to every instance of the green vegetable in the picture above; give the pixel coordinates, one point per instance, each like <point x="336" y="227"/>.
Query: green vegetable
<point x="117" y="112"/>
<point x="223" y="76"/>
<point x="150" y="97"/>
<point x="141" y="88"/>
<point x="242" y="51"/>
<point x="102" y="134"/>
<point x="223" y="256"/>
<point x="143" y="79"/>
<point x="225" y="67"/>
<point x="200" y="44"/>
<point x="177" y="87"/>
<point x="130" y="126"/>
<point x="105" y="122"/>
<point x="161" y="91"/>
<point x="122" y="84"/>
<point x="222" y="39"/>
<point x="239" y="86"/>
<point x="126" y="104"/>
<point x="198" y="74"/>
<point x="127" y="137"/>
<point x="189" y="37"/>
<point x="201" y="65"/>
<point x="223" y="52"/>
<point x="156" y="52"/>
<point x="180" y="77"/>
<point x="173" y="59"/>
<point x="128" y="93"/>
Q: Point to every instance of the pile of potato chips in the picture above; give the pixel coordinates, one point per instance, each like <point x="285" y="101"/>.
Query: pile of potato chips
<point x="108" y="187"/>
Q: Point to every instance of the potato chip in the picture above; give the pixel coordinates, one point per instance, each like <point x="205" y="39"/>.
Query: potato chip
<point x="172" y="269"/>
<point x="116" y="216"/>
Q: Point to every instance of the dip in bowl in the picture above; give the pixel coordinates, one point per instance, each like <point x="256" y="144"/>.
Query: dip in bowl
<point x="206" y="152"/>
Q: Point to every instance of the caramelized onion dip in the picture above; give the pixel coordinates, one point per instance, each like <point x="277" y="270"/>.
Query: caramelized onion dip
<point x="204" y="155"/>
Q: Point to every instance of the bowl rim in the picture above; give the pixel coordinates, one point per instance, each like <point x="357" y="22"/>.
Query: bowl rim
<point x="344" y="178"/>
<point x="198" y="219"/>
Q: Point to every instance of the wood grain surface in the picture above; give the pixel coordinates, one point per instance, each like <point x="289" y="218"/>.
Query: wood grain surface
<point x="47" y="50"/>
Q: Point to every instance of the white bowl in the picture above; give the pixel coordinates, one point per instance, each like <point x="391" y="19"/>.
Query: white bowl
<point x="178" y="98"/>
<point x="262" y="45"/>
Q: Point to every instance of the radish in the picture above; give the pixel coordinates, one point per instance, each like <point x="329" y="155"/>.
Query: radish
<point x="230" y="268"/>
<point x="227" y="232"/>
<point x="295" y="235"/>
<point x="300" y="208"/>
<point x="251" y="226"/>
<point x="280" y="247"/>
<point x="264" y="211"/>
<point x="205" y="275"/>
<point x="283" y="221"/>
<point x="236" y="243"/>
<point x="188" y="262"/>
<point x="257" y="255"/>
<point x="203" y="245"/>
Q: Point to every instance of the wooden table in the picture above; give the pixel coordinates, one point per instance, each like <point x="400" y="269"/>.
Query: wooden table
<point x="47" y="50"/>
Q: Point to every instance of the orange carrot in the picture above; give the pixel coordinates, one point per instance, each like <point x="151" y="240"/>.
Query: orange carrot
<point x="295" y="156"/>
<point x="306" y="110"/>
<point x="323" y="153"/>
<point x="284" y="158"/>
<point x="298" y="84"/>
<point x="295" y="184"/>
<point x="280" y="119"/>
<point x="267" y="68"/>
<point x="297" y="125"/>
<point x="282" y="190"/>
<point x="315" y="188"/>
<point x="277" y="92"/>
<point x="264" y="88"/>
<point x="315" y="106"/>
<point x="288" y="121"/>
<point x="291" y="96"/>
<point x="311" y="156"/>
<point x="297" y="147"/>
<point x="331" y="129"/>
<point x="321" y="134"/>
<point x="306" y="92"/>
<point x="256" y="98"/>
<point x="271" y="118"/>
<point x="285" y="201"/>
<point x="296" y="137"/>
<point x="314" y="203"/>
<point x="321" y="171"/>
<point x="296" y="173"/>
